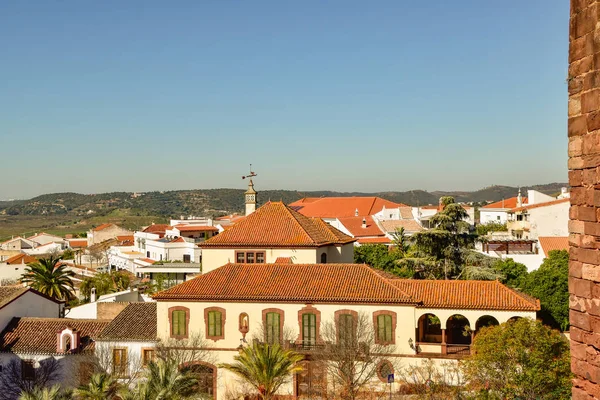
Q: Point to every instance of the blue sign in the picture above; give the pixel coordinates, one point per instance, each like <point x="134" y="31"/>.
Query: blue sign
<point x="391" y="378"/>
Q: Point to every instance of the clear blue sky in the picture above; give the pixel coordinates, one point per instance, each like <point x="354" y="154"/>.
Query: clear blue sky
<point x="345" y="95"/>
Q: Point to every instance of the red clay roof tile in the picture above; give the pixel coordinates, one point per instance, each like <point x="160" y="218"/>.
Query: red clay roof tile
<point x="38" y="335"/>
<point x="506" y="203"/>
<point x="472" y="295"/>
<point x="355" y="226"/>
<point x="343" y="283"/>
<point x="538" y="205"/>
<point x="339" y="207"/>
<point x="549" y="243"/>
<point x="276" y="225"/>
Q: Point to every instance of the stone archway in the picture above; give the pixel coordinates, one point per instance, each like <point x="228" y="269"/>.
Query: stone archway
<point x="484" y="321"/>
<point x="429" y="329"/>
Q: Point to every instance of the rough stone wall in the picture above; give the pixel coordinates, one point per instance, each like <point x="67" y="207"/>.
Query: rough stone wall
<point x="584" y="179"/>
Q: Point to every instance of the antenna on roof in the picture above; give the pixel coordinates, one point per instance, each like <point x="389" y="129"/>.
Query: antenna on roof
<point x="251" y="175"/>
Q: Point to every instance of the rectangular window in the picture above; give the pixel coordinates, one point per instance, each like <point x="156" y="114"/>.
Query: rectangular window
<point x="27" y="370"/>
<point x="187" y="258"/>
<point x="309" y="329"/>
<point x="241" y="258"/>
<point x="214" y="323"/>
<point x="147" y="356"/>
<point x="273" y="328"/>
<point x="178" y="323"/>
<point x="260" y="258"/>
<point x="119" y="363"/>
<point x="250" y="258"/>
<point x="346" y="329"/>
<point x="384" y="328"/>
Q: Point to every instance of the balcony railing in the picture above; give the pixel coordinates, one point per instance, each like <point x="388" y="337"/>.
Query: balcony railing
<point x="458" y="349"/>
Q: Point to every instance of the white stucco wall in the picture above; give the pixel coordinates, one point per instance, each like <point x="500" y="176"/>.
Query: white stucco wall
<point x="29" y="305"/>
<point x="550" y="220"/>
<point x="11" y="272"/>
<point x="134" y="353"/>
<point x="68" y="373"/>
<point x="226" y="349"/>
<point x="492" y="215"/>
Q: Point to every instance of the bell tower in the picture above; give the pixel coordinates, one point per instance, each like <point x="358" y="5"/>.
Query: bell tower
<point x="250" y="197"/>
<point x="250" y="194"/>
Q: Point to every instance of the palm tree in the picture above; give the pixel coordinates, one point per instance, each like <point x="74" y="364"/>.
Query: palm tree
<point x="140" y="392"/>
<point x="165" y="381"/>
<point x="53" y="393"/>
<point x="50" y="277"/>
<point x="265" y="367"/>
<point x="100" y="387"/>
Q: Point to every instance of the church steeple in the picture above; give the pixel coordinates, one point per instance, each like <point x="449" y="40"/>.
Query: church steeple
<point x="250" y="198"/>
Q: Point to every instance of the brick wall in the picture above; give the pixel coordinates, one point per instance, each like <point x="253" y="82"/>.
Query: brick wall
<point x="584" y="179"/>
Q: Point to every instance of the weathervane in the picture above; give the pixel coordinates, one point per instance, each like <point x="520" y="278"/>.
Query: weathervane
<point x="252" y="174"/>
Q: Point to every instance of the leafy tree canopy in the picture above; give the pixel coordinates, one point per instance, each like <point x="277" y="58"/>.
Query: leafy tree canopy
<point x="520" y="359"/>
<point x="550" y="284"/>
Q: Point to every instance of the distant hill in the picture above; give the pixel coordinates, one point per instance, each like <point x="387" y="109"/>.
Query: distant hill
<point x="213" y="202"/>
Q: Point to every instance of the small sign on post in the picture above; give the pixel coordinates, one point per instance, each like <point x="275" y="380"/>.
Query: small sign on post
<point x="391" y="378"/>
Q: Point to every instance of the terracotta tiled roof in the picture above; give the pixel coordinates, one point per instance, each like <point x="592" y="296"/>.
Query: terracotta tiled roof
<point x="406" y="213"/>
<point x="549" y="243"/>
<point x="506" y="203"/>
<point x="276" y="225"/>
<point x="178" y="240"/>
<point x="545" y="204"/>
<point x="409" y="225"/>
<point x="471" y="295"/>
<point x="339" y="283"/>
<point x="196" y="228"/>
<point x="137" y="322"/>
<point x="20" y="259"/>
<point x="375" y="240"/>
<point x="125" y="238"/>
<point x="42" y="234"/>
<point x="38" y="335"/>
<point x="102" y="227"/>
<point x="78" y="243"/>
<point x="284" y="260"/>
<point x="355" y="226"/>
<point x="339" y="207"/>
<point x="148" y="260"/>
<point x="157" y="228"/>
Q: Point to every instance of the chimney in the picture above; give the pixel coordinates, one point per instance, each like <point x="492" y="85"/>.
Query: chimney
<point x="364" y="223"/>
<point x="93" y="295"/>
<point x="356" y="212"/>
<point x="519" y="199"/>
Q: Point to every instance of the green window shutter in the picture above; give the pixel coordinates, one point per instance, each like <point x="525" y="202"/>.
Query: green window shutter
<point x="309" y="328"/>
<point x="174" y="323"/>
<point x="178" y="323"/>
<point x="276" y="328"/>
<point x="388" y="328"/>
<point x="182" y="323"/>
<point x="211" y="323"/>
<point x="273" y="328"/>
<point x="218" y="324"/>
<point x="381" y="328"/>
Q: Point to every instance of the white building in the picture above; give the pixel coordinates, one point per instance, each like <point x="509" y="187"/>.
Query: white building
<point x="290" y="303"/>
<point x="128" y="342"/>
<point x="31" y="348"/>
<point x="45" y="238"/>
<point x="19" y="301"/>
<point x="533" y="220"/>
<point x="277" y="231"/>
